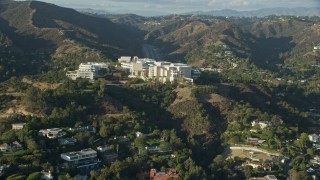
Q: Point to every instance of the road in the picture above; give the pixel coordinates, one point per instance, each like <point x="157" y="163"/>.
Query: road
<point x="151" y="52"/>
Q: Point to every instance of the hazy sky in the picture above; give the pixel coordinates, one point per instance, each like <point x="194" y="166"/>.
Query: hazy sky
<point x="179" y="6"/>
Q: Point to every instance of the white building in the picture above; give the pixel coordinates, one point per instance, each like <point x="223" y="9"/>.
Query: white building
<point x="18" y="126"/>
<point x="52" y="133"/>
<point x="85" y="158"/>
<point x="67" y="141"/>
<point x="314" y="138"/>
<point x="78" y="156"/>
<point x="124" y="59"/>
<point x="162" y="71"/>
<point x="103" y="148"/>
<point x="168" y="72"/>
<point x="261" y="124"/>
<point x="88" y="70"/>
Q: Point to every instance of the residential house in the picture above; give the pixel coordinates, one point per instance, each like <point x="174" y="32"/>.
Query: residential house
<point x="138" y="134"/>
<point x="86" y="158"/>
<point x="261" y="124"/>
<point x="103" y="148"/>
<point x="255" y="141"/>
<point x="8" y="147"/>
<point x="267" y="177"/>
<point x="67" y="141"/>
<point x="18" y="126"/>
<point x="121" y="139"/>
<point x="314" y="138"/>
<point x="258" y="165"/>
<point x="153" y="149"/>
<point x="315" y="160"/>
<point x="52" y="133"/>
<point x="3" y="167"/>
<point x="17" y="145"/>
<point x="170" y="173"/>
<point x="46" y="175"/>
<point x="83" y="129"/>
<point x="5" y="147"/>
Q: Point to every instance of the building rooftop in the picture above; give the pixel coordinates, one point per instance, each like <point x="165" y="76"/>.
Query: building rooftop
<point x="82" y="152"/>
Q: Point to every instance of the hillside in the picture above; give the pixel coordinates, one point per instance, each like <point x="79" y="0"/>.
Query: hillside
<point x="265" y="41"/>
<point x="44" y="30"/>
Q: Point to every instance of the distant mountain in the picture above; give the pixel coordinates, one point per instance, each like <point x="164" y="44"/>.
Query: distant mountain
<point x="266" y="41"/>
<point x="299" y="11"/>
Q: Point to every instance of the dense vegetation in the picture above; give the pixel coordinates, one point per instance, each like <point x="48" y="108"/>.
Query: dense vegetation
<point x="254" y="70"/>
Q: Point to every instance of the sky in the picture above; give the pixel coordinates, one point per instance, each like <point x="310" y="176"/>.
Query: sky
<point x="181" y="6"/>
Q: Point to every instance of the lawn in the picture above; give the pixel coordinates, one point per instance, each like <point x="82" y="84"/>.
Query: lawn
<point x="153" y="142"/>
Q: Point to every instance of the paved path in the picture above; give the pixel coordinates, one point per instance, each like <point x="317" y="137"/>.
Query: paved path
<point x="253" y="149"/>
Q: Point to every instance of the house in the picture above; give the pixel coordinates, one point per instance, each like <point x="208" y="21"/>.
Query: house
<point x="255" y="141"/>
<point x="267" y="177"/>
<point x="261" y="124"/>
<point x="85" y="158"/>
<point x="170" y="173"/>
<point x="103" y="148"/>
<point x="83" y="129"/>
<point x="18" y="126"/>
<point x="67" y="141"/>
<point x="153" y="149"/>
<point x="16" y="145"/>
<point x="121" y="139"/>
<point x="316" y="146"/>
<point x="138" y="134"/>
<point x="46" y="175"/>
<point x="258" y="165"/>
<point x="313" y="138"/>
<point x="316" y="47"/>
<point x="5" y="147"/>
<point x="315" y="160"/>
<point x="3" y="167"/>
<point x="8" y="147"/>
<point x="52" y="133"/>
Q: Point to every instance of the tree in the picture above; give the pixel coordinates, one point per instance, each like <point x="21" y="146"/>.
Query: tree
<point x="302" y="141"/>
<point x="34" y="176"/>
<point x="140" y="141"/>
<point x="165" y="146"/>
<point x="248" y="171"/>
<point x="103" y="131"/>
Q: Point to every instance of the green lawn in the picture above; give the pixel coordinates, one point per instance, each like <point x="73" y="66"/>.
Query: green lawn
<point x="153" y="142"/>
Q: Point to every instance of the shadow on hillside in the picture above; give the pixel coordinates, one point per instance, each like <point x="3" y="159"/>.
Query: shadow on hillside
<point x="258" y="99"/>
<point x="264" y="52"/>
<point x="95" y="32"/>
<point x="166" y="49"/>
<point x="27" y="43"/>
